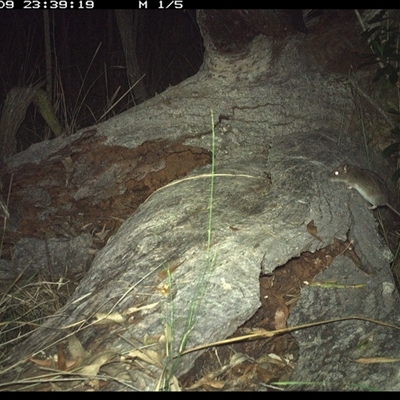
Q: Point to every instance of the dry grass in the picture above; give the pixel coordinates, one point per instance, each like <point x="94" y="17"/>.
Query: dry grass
<point x="25" y="304"/>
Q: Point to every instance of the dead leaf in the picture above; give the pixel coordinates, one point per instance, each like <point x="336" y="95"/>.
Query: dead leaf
<point x="275" y="357"/>
<point x="61" y="364"/>
<point x="238" y="358"/>
<point x="41" y="362"/>
<point x="312" y="230"/>
<point x="263" y="374"/>
<point x="149" y="356"/>
<point x="76" y="349"/>
<point x="149" y="340"/>
<point x="93" y="369"/>
<point x="133" y="310"/>
<point x="216" y="384"/>
<point x="107" y="319"/>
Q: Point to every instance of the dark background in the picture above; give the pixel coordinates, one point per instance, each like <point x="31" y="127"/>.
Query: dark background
<point x="89" y="69"/>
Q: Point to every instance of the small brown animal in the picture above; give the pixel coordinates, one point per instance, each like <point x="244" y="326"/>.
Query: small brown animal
<point x="366" y="182"/>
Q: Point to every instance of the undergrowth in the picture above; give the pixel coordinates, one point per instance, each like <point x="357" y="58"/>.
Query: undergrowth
<point x="25" y="304"/>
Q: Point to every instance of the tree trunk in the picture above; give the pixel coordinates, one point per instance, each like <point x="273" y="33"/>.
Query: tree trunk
<point x="128" y="32"/>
